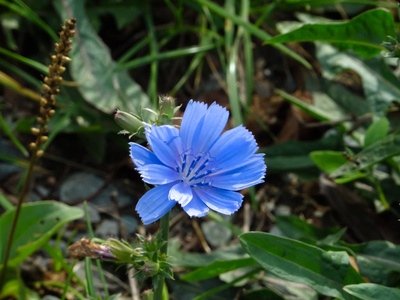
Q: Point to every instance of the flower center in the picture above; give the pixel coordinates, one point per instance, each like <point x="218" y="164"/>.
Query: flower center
<point x="194" y="168"/>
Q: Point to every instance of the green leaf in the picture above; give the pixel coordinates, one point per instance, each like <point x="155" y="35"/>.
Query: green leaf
<point x="263" y="293"/>
<point x="325" y="271"/>
<point x="312" y="110"/>
<point x="377" y="131"/>
<point x="363" y="34"/>
<point x="219" y="267"/>
<point x="372" y="291"/>
<point x="350" y="102"/>
<point x="380" y="86"/>
<point x="294" y="156"/>
<point x="328" y="161"/>
<point x="296" y="228"/>
<point x="197" y="260"/>
<point x="93" y="68"/>
<point x="250" y="28"/>
<point x="38" y="221"/>
<point x="385" y="148"/>
<point x="378" y="261"/>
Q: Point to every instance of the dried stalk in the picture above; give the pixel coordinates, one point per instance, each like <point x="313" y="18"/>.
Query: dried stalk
<point x="47" y="102"/>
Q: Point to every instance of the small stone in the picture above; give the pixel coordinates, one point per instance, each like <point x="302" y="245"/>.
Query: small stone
<point x="216" y="234"/>
<point x="129" y="223"/>
<point x="107" y="229"/>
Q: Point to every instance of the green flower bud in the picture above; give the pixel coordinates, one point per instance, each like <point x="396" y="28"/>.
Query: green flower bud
<point x="167" y="106"/>
<point x="150" y="269"/>
<point x="127" y="121"/>
<point x="122" y="251"/>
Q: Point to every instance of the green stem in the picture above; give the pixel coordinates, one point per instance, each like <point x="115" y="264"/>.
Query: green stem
<point x="381" y="195"/>
<point x="15" y="218"/>
<point x="164" y="234"/>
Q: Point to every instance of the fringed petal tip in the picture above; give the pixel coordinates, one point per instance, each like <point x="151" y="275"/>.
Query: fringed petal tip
<point x="196" y="207"/>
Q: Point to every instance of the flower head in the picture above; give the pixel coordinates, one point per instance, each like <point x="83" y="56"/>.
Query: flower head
<point x="197" y="167"/>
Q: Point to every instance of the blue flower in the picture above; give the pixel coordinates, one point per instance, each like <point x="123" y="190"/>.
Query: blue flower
<point x="197" y="167"/>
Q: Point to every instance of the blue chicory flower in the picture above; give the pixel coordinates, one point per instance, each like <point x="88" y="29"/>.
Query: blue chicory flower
<point x="197" y="167"/>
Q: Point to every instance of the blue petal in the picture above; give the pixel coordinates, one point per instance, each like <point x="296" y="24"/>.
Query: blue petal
<point x="142" y="156"/>
<point x="181" y="193"/>
<point x="209" y="129"/>
<point x="155" y="204"/>
<point x="158" y="174"/>
<point x="196" y="207"/>
<point x="222" y="201"/>
<point x="232" y="148"/>
<point x="194" y="113"/>
<point x="166" y="144"/>
<point x="250" y="173"/>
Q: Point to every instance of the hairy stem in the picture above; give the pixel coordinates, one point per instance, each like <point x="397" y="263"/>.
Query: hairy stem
<point x="164" y="233"/>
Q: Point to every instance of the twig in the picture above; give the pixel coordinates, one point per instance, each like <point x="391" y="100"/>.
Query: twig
<point x="200" y="235"/>
<point x="133" y="284"/>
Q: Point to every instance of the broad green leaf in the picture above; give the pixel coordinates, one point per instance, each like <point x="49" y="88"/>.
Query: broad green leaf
<point x="325" y="271"/>
<point x="380" y="86"/>
<point x="350" y="102"/>
<point x="38" y="221"/>
<point x="350" y="7"/>
<point x="372" y="291"/>
<point x="378" y="261"/>
<point x="377" y="131"/>
<point x="94" y="70"/>
<point x="296" y="228"/>
<point x="363" y="34"/>
<point x="385" y="148"/>
<point x="328" y="161"/>
<point x="219" y="267"/>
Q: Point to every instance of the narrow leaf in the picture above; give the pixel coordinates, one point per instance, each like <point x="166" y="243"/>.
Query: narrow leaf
<point x="219" y="267"/>
<point x="372" y="291"/>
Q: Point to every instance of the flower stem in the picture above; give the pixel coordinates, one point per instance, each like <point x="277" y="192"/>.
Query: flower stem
<point x="164" y="234"/>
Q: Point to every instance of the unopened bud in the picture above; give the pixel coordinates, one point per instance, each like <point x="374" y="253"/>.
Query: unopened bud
<point x="167" y="106"/>
<point x="150" y="268"/>
<point x="127" y="121"/>
<point x="33" y="146"/>
<point x="43" y="139"/>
